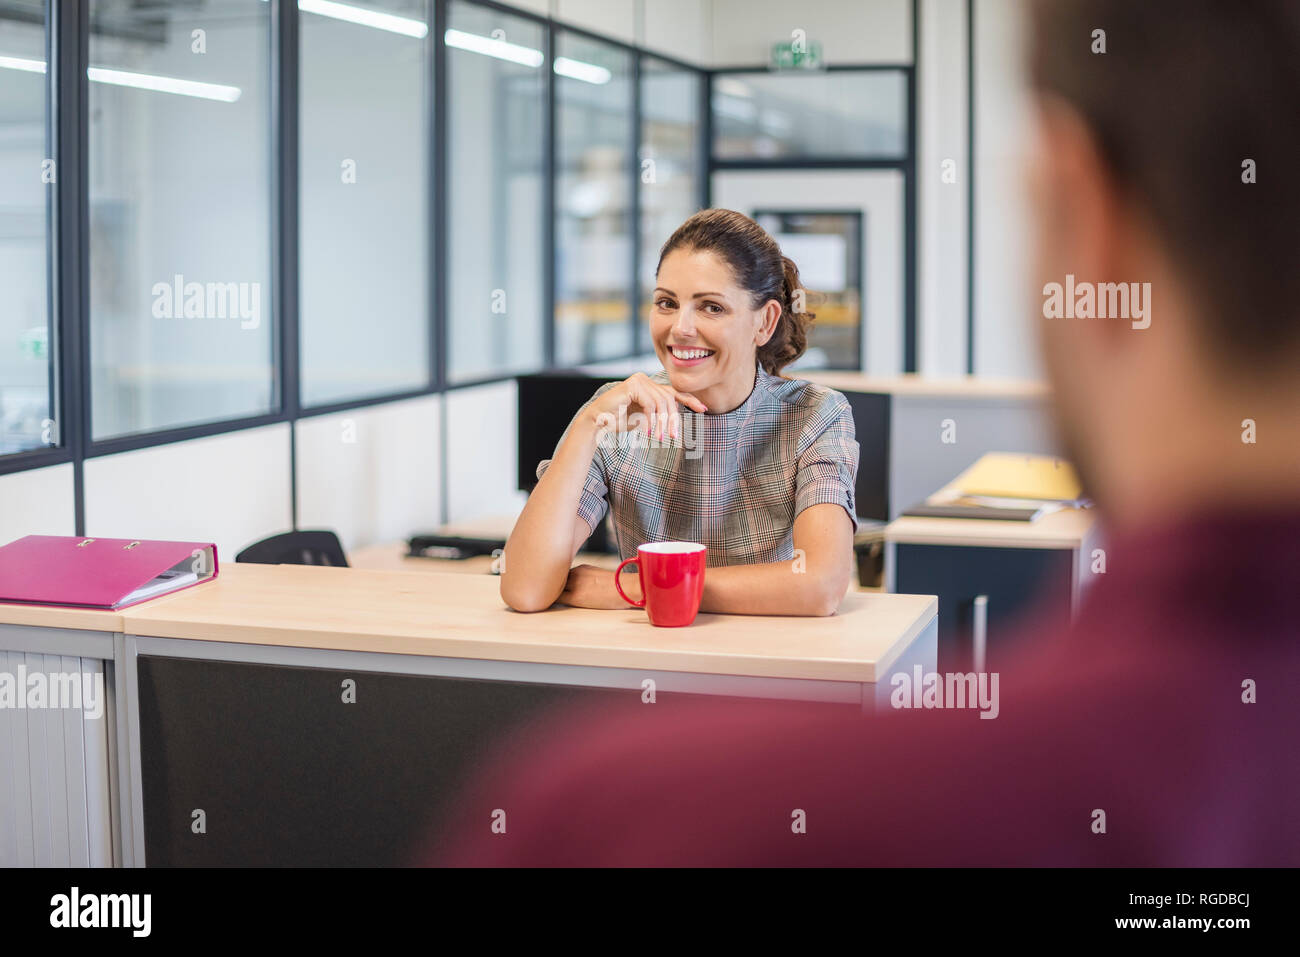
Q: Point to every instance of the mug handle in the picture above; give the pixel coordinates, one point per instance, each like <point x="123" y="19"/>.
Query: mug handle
<point x="627" y="561"/>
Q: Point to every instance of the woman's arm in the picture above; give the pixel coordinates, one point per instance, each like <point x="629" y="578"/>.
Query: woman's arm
<point x="813" y="583"/>
<point x="549" y="531"/>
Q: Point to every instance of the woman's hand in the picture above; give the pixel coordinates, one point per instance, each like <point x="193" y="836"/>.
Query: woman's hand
<point x="591" y="587"/>
<point x="656" y="403"/>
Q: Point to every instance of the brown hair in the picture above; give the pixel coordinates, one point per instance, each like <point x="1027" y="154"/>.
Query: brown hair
<point x="760" y="268"/>
<point x="1185" y="93"/>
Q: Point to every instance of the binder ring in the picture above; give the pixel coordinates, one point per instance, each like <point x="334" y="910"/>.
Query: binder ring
<point x="127" y="548"/>
<point x="85" y="543"/>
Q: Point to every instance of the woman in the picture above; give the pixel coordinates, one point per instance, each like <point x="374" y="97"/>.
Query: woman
<point x="760" y="469"/>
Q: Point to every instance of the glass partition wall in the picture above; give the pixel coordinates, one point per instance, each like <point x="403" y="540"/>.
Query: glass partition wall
<point x="28" y="345"/>
<point x="476" y="192"/>
<point x="178" y="154"/>
<point x="594" y="162"/>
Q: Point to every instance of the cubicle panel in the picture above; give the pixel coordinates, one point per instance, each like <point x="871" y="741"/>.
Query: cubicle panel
<point x="261" y="764"/>
<point x="871" y="423"/>
<point x="933" y="439"/>
<point x="54" y="808"/>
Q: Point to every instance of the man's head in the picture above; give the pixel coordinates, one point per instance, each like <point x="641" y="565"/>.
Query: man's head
<point x="1168" y="154"/>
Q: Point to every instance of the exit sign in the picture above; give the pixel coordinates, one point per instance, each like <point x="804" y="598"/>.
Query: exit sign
<point x="797" y="55"/>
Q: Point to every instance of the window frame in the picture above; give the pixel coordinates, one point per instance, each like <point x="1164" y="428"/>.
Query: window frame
<point x="904" y="164"/>
<point x="67" y="42"/>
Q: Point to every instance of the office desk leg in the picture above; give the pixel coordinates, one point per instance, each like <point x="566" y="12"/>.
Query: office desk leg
<point x="129" y="789"/>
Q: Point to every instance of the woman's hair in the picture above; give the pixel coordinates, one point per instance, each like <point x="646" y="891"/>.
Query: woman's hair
<point x="759" y="268"/>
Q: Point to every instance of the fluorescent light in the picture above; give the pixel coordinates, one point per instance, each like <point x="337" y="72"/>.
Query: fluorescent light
<point x="577" y="70"/>
<point x="164" y="84"/>
<point x="138" y="81"/>
<point x="365" y="17"/>
<point x="461" y="40"/>
<point x="18" y="63"/>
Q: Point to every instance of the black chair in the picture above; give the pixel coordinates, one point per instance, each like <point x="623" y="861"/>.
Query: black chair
<point x="296" y="548"/>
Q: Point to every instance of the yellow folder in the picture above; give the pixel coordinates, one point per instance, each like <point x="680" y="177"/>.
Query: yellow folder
<point x="1017" y="475"/>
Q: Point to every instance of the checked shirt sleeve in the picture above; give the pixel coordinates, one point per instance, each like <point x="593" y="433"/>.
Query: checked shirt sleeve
<point x="826" y="469"/>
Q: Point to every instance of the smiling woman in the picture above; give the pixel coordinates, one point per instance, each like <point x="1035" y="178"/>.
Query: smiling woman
<point x="717" y="448"/>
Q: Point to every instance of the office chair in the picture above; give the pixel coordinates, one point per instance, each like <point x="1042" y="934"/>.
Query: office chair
<point x="296" y="548"/>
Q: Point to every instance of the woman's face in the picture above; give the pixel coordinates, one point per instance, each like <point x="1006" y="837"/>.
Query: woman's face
<point x="704" y="329"/>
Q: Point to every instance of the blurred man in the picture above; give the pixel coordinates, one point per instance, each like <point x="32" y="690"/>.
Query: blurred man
<point x="1161" y="728"/>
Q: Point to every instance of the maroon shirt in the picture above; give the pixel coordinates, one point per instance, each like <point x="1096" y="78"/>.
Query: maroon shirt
<point x="1137" y="711"/>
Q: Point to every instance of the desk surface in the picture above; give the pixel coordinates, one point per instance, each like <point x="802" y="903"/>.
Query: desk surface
<point x="1067" y="528"/>
<point x="51" y="616"/>
<point x="462" y="616"/>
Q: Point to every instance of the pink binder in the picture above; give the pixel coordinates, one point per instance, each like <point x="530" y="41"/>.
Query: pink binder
<point x="106" y="573"/>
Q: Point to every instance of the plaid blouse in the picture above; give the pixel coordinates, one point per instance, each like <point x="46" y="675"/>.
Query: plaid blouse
<point x="733" y="482"/>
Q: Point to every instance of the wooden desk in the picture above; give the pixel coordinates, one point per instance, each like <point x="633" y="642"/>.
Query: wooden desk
<point x="451" y="615"/>
<point x="234" y="698"/>
<point x="1063" y="529"/>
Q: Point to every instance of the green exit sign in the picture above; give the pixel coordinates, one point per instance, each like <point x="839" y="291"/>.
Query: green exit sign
<point x="797" y="55"/>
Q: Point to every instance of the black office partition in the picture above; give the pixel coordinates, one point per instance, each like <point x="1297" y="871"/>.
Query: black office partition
<point x="871" y="418"/>
<point x="286" y="772"/>
<point x="1025" y="588"/>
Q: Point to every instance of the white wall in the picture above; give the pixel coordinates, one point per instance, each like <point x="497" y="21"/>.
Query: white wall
<point x="371" y="474"/>
<point x="619" y="19"/>
<point x="941" y="205"/>
<point x="481" y="448"/>
<point x="849" y="31"/>
<point x="683" y="29"/>
<point x="1004" y="338"/>
<point x="36" y="502"/>
<point x="879" y="195"/>
<point x="231" y="489"/>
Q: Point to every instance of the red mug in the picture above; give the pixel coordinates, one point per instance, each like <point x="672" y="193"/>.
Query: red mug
<point x="672" y="581"/>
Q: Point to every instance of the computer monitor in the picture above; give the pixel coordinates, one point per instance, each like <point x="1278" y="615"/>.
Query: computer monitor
<point x="547" y="404"/>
